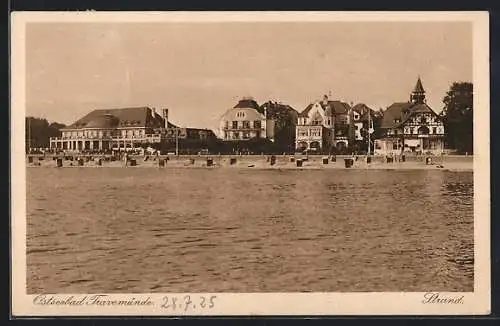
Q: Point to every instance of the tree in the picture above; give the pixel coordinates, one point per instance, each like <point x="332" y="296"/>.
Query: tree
<point x="458" y="117"/>
<point x="38" y="132"/>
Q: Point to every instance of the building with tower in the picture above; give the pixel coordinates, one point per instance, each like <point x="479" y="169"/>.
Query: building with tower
<point x="324" y="126"/>
<point x="411" y="127"/>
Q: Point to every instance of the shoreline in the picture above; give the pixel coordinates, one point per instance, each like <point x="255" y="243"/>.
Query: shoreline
<point x="259" y="162"/>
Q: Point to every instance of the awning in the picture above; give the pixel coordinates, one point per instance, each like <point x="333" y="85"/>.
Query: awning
<point x="412" y="142"/>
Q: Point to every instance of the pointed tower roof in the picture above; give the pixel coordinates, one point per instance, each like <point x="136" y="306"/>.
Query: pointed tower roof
<point x="418" y="87"/>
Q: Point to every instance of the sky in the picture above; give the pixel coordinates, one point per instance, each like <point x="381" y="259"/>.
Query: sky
<point x="200" y="70"/>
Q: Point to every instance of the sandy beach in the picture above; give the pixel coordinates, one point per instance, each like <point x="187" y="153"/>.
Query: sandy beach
<point x="449" y="163"/>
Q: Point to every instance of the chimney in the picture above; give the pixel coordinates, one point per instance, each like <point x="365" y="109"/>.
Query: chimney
<point x="165" y="118"/>
<point x="325" y="99"/>
<point x="153" y="112"/>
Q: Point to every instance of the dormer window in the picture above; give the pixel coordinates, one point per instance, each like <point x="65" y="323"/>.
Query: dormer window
<point x="397" y="120"/>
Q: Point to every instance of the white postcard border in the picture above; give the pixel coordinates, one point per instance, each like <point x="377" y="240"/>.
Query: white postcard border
<point x="379" y="303"/>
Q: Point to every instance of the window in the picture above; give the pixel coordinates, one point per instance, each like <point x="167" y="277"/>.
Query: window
<point x="236" y="135"/>
<point x="434" y="130"/>
<point x="316" y="133"/>
<point x="246" y="135"/>
<point x="246" y="124"/>
<point x="395" y="131"/>
<point x="226" y="124"/>
<point x="235" y="124"/>
<point x="256" y="124"/>
<point x="258" y="134"/>
<point x="240" y="114"/>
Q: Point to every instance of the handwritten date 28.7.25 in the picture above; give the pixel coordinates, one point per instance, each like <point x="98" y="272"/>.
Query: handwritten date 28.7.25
<point x="188" y="302"/>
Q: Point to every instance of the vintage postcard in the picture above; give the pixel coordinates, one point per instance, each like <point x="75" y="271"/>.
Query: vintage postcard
<point x="250" y="163"/>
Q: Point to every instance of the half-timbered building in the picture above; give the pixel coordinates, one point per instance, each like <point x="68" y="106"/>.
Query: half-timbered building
<point x="411" y="127"/>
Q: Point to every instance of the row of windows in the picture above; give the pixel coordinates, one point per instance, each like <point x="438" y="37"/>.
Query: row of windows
<point x="398" y="146"/>
<point x="430" y="145"/>
<point x="303" y="132"/>
<point x="413" y="131"/>
<point x="311" y="133"/>
<point x="257" y="124"/>
<point x="241" y="135"/>
<point x="104" y="133"/>
<point x="320" y="122"/>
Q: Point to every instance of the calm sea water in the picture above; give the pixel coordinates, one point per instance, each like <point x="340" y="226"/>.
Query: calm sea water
<point x="198" y="230"/>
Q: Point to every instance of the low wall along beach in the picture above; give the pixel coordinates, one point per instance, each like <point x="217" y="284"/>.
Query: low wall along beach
<point x="451" y="162"/>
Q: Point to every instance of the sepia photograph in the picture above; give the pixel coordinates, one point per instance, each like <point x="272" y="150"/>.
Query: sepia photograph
<point x="198" y="159"/>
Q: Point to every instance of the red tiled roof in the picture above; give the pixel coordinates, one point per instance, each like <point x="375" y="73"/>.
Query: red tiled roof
<point x="119" y="118"/>
<point x="393" y="112"/>
<point x="331" y="108"/>
<point x="305" y="112"/>
<point x="336" y="107"/>
<point x="402" y="111"/>
<point x="247" y="104"/>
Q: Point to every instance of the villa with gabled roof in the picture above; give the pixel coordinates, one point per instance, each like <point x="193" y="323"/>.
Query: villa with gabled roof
<point x="411" y="126"/>
<point x="323" y="125"/>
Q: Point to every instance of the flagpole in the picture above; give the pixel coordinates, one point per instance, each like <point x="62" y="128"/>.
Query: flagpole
<point x="177" y="141"/>
<point x="369" y="134"/>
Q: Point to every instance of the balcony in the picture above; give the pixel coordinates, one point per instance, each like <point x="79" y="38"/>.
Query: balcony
<point x="230" y="128"/>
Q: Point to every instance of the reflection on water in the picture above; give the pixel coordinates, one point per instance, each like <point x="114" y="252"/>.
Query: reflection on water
<point x="196" y="230"/>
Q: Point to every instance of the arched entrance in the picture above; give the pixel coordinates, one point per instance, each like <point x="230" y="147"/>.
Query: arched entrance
<point x="315" y="146"/>
<point x="341" y="146"/>
<point x="301" y="146"/>
<point x="423" y="130"/>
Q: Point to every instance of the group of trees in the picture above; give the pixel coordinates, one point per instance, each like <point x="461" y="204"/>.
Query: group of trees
<point x="458" y="117"/>
<point x="39" y="131"/>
